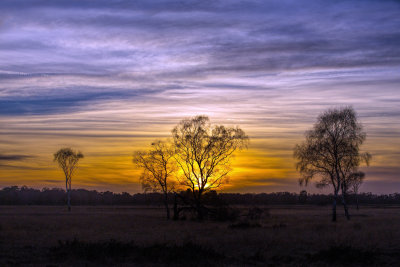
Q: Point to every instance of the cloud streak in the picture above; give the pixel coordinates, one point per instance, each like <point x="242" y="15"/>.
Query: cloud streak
<point x="13" y="157"/>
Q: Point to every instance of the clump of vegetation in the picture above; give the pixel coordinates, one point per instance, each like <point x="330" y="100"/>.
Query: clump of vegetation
<point x="224" y="213"/>
<point x="214" y="207"/>
<point x="250" y="219"/>
<point x="217" y="209"/>
<point x="255" y="213"/>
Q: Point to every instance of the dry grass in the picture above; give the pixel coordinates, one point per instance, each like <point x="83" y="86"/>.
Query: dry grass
<point x="295" y="236"/>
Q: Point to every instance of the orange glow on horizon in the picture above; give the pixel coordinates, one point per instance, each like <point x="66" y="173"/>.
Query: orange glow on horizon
<point x="267" y="165"/>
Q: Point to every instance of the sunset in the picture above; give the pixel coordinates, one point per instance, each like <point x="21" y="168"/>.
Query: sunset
<point x="110" y="78"/>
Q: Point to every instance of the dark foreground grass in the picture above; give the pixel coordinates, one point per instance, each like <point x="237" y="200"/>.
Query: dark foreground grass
<point x="244" y="225"/>
<point x="119" y="252"/>
<point x="344" y="254"/>
<point x="140" y="236"/>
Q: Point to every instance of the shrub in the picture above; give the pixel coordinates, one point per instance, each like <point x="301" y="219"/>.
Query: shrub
<point x="223" y="213"/>
<point x="254" y="213"/>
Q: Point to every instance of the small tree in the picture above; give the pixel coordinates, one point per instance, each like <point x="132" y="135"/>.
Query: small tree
<point x="158" y="165"/>
<point x="203" y="154"/>
<point x="68" y="159"/>
<point x="354" y="182"/>
<point x="331" y="152"/>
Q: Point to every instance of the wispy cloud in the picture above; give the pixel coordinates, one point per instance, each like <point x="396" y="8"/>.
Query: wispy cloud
<point x="13" y="157"/>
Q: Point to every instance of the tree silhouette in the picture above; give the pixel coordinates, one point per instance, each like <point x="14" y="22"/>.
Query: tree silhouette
<point x="203" y="154"/>
<point x="158" y="165"/>
<point x="354" y="182"/>
<point x="331" y="152"/>
<point x="68" y="159"/>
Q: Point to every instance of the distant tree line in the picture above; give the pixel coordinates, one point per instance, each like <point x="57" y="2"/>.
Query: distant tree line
<point x="15" y="195"/>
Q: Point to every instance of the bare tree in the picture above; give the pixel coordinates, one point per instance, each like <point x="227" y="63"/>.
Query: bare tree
<point x="68" y="159"/>
<point x="203" y="154"/>
<point x="331" y="152"/>
<point x="354" y="182"/>
<point x="158" y="166"/>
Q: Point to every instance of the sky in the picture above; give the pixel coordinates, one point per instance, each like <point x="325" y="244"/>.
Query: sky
<point x="109" y="77"/>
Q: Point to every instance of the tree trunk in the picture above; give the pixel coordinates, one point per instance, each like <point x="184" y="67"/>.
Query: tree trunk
<point x="176" y="213"/>
<point x="346" y="211"/>
<point x="197" y="205"/>
<point x="200" y="215"/>
<point x="357" y="202"/>
<point x="334" y="208"/>
<point x="166" y="206"/>
<point x="199" y="208"/>
<point x="68" y="193"/>
<point x="69" y="199"/>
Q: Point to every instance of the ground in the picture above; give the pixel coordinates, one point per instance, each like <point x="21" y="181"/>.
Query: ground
<point x="132" y="235"/>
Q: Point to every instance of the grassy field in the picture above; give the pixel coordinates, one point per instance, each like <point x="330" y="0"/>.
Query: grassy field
<point x="124" y="236"/>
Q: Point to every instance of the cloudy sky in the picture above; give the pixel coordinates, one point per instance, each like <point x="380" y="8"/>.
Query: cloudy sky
<point x="108" y="77"/>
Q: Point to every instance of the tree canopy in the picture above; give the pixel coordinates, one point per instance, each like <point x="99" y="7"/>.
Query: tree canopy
<point x="158" y="166"/>
<point x="68" y="159"/>
<point x="331" y="151"/>
<point x="204" y="152"/>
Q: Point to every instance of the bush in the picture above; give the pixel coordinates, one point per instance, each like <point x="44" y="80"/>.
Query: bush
<point x="255" y="213"/>
<point x="223" y="214"/>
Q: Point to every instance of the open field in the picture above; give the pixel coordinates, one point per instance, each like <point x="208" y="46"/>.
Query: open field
<point x="131" y="235"/>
